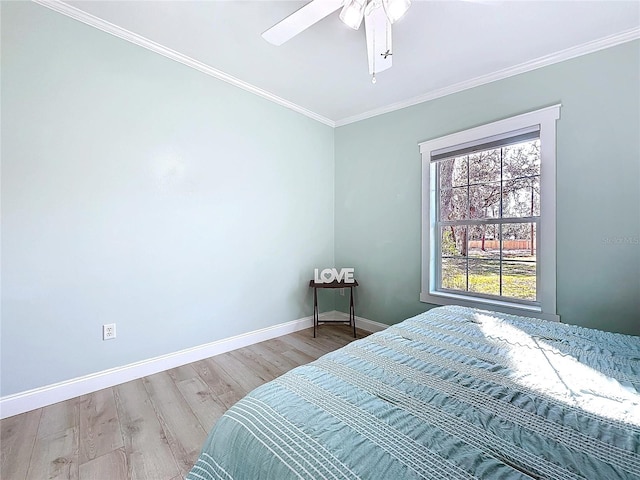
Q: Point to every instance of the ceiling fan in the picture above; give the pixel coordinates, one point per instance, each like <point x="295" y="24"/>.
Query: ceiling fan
<point x="378" y="16"/>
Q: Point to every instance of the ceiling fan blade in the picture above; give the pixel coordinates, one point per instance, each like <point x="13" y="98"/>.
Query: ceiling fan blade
<point x="378" y="31"/>
<point x="300" y="20"/>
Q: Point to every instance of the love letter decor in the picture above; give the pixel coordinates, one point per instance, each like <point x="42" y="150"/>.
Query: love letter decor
<point x="328" y="275"/>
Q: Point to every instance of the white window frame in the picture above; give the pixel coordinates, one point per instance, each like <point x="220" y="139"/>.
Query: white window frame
<point x="545" y="306"/>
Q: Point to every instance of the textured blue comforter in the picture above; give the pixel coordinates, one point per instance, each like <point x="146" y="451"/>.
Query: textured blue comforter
<point x="453" y="393"/>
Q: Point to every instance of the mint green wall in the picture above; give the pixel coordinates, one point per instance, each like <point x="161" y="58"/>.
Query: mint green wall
<point x="139" y="191"/>
<point x="378" y="191"/>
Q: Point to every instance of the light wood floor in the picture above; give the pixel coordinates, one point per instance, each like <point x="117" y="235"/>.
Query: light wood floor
<point x="151" y="428"/>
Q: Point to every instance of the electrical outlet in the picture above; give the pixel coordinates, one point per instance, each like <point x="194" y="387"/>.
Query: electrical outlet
<point x="342" y="292"/>
<point x="109" y="331"/>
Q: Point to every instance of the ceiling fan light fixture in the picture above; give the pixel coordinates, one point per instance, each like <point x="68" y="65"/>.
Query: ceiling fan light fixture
<point x="352" y="13"/>
<point x="395" y="9"/>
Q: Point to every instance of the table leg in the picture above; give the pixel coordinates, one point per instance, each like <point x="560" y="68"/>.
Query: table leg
<point x="315" y="310"/>
<point x="352" y="312"/>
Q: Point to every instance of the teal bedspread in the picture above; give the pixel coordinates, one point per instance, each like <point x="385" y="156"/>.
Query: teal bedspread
<point x="454" y="393"/>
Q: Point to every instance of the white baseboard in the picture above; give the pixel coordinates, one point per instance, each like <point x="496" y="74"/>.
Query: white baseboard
<point x="363" y="323"/>
<point x="40" y="397"/>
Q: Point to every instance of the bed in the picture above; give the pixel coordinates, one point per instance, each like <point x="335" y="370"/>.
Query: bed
<point x="453" y="393"/>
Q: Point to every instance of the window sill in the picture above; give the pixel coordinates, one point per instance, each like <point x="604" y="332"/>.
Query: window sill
<point x="442" y="298"/>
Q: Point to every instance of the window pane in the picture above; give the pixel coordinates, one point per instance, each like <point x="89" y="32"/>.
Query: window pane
<point x="453" y="241"/>
<point x="484" y="276"/>
<point x="484" y="241"/>
<point x="484" y="167"/>
<point x="521" y="198"/>
<point x="519" y="280"/>
<point x="484" y="200"/>
<point x="453" y="172"/>
<point x="519" y="267"/>
<point x="453" y="203"/>
<point x="454" y="274"/>
<point x="519" y="241"/>
<point x="521" y="160"/>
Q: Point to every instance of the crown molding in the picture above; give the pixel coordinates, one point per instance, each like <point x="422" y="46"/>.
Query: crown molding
<point x="561" y="56"/>
<point x="108" y="27"/>
<point x="567" y="54"/>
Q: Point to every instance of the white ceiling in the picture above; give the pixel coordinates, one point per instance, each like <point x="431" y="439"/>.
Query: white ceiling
<point x="438" y="47"/>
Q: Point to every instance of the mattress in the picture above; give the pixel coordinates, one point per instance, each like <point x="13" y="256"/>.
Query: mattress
<point x="453" y="393"/>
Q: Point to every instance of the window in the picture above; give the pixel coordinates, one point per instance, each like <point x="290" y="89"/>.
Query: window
<point x="489" y="216"/>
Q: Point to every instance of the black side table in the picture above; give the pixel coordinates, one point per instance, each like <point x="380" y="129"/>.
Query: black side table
<point x="334" y="284"/>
